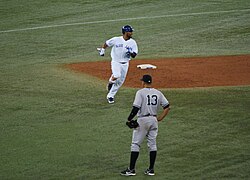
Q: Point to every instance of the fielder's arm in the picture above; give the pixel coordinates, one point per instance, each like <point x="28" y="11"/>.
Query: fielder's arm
<point x="133" y="113"/>
<point x="164" y="113"/>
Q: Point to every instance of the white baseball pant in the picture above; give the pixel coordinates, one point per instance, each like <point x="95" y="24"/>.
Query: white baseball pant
<point x="119" y="71"/>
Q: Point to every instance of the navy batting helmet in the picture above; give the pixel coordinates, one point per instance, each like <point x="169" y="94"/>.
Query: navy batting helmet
<point x="127" y="28"/>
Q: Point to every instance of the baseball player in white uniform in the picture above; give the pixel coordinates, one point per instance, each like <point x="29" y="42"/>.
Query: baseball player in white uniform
<point x="123" y="49"/>
<point x="146" y="104"/>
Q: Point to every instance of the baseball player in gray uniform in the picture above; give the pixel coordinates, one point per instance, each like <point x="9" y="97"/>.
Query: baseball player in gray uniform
<point x="123" y="49"/>
<point x="146" y="104"/>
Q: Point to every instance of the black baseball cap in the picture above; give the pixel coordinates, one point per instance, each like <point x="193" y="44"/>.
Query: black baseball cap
<point x="147" y="79"/>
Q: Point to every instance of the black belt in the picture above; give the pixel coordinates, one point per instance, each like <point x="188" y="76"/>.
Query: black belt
<point x="123" y="62"/>
<point x="148" y="115"/>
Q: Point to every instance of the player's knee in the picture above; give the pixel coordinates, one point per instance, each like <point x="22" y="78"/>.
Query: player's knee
<point x="116" y="76"/>
<point x="135" y="147"/>
<point x="152" y="147"/>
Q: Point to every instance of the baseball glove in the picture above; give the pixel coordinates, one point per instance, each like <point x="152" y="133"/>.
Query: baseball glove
<point x="132" y="124"/>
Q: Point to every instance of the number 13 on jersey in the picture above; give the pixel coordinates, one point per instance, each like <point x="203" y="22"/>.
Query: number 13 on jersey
<point x="152" y="100"/>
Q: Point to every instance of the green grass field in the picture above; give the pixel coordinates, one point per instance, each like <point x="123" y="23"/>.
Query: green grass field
<point x="56" y="124"/>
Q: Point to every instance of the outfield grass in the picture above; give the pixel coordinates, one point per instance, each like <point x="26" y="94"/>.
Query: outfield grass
<point x="56" y="124"/>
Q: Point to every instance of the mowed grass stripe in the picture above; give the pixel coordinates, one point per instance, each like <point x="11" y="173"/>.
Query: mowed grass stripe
<point x="124" y="19"/>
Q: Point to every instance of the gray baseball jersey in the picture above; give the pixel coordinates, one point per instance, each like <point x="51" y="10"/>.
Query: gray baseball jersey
<point x="148" y="100"/>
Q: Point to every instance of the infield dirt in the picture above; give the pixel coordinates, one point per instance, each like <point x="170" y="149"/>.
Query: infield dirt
<point x="179" y="72"/>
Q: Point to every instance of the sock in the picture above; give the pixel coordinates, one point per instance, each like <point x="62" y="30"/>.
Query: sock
<point x="152" y="159"/>
<point x="133" y="157"/>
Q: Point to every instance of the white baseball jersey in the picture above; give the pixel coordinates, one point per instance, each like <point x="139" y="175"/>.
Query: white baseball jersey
<point x="120" y="47"/>
<point x="148" y="100"/>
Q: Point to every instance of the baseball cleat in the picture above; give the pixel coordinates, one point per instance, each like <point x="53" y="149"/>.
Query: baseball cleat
<point x="110" y="100"/>
<point x="128" y="172"/>
<point x="149" y="172"/>
<point x="109" y="86"/>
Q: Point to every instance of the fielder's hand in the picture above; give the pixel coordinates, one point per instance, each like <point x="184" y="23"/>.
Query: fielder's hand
<point x="132" y="124"/>
<point x="101" y="51"/>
